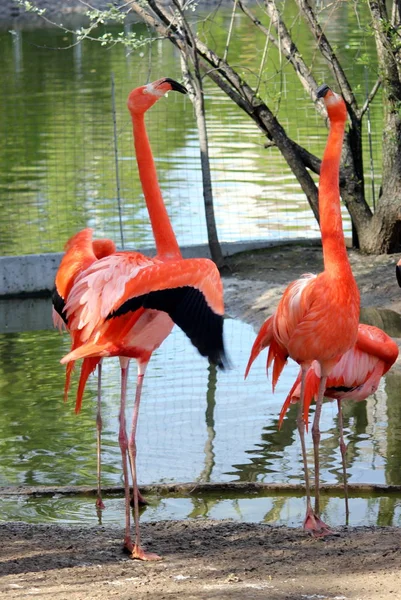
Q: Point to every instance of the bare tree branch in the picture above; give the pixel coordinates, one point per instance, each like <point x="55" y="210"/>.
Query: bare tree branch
<point x="230" y="30"/>
<point x="236" y="87"/>
<point x="330" y="56"/>
<point x="248" y="100"/>
<point x="287" y="47"/>
<point x="384" y="35"/>
<point x="370" y="98"/>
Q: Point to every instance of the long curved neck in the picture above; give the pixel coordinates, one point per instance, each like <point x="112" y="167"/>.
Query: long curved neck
<point x="334" y="251"/>
<point x="166" y="242"/>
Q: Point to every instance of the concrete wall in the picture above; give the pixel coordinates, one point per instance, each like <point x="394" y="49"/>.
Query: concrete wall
<point x="33" y="274"/>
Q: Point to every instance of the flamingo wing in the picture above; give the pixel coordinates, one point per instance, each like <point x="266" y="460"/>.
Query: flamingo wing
<point x="78" y="256"/>
<point x="262" y="341"/>
<point x="188" y="290"/>
<point x="80" y="252"/>
<point x="376" y="342"/>
<point x="277" y="353"/>
<point x="358" y="372"/>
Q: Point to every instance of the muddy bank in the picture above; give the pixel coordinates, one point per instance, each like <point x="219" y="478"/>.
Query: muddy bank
<point x="202" y="560"/>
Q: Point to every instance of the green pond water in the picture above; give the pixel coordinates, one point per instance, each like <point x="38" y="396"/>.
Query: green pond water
<point x="196" y="424"/>
<point x="58" y="174"/>
<point x="58" y="158"/>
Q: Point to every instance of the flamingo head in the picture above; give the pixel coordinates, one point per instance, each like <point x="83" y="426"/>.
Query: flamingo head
<point x="144" y="97"/>
<point x="335" y="105"/>
<point x="398" y="272"/>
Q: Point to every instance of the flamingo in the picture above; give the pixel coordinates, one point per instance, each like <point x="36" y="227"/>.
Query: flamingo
<point x="355" y="377"/>
<point x="317" y="316"/>
<point x="80" y="252"/>
<point x="126" y="304"/>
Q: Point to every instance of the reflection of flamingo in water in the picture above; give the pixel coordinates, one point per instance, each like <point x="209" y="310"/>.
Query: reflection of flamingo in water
<point x="355" y="377"/>
<point x="80" y="252"/>
<point x="317" y="316"/>
<point x="126" y="304"/>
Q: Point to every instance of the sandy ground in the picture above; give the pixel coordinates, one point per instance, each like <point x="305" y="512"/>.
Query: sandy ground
<point x="222" y="559"/>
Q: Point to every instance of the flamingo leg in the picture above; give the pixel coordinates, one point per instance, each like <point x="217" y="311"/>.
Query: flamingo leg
<point x="312" y="523"/>
<point x="343" y="449"/>
<point x="99" y="424"/>
<point x="301" y="431"/>
<point x="137" y="551"/>
<point x="324" y="529"/>
<point x="123" y="441"/>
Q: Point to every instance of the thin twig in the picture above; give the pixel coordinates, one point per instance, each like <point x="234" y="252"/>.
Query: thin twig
<point x="370" y="97"/>
<point x="230" y="30"/>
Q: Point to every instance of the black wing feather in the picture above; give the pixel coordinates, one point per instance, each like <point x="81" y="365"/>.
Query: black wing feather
<point x="187" y="307"/>
<point x="59" y="305"/>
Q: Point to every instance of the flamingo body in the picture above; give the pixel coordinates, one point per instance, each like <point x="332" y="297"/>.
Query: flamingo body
<point x="317" y="316"/>
<point x="126" y="304"/>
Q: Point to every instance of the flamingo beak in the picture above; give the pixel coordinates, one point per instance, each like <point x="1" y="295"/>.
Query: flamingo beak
<point x="322" y="90"/>
<point x="177" y="87"/>
<point x="398" y="274"/>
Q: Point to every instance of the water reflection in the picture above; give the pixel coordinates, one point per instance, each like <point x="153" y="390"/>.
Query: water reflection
<point x="278" y="509"/>
<point x="196" y="424"/>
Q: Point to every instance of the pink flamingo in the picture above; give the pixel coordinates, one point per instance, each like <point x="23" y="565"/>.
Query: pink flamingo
<point x="317" y="316"/>
<point x="126" y="304"/>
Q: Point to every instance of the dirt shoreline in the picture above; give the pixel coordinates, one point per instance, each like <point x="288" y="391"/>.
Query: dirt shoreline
<point x="223" y="559"/>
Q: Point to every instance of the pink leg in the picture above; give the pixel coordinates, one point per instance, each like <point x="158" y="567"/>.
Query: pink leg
<point x="324" y="529"/>
<point x="99" y="501"/>
<point x="137" y="551"/>
<point x="312" y="523"/>
<point x="343" y="449"/>
<point x="123" y="441"/>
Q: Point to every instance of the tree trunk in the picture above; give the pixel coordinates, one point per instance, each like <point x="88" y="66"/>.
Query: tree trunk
<point x="385" y="229"/>
<point x="193" y="79"/>
<point x="214" y="244"/>
<point x="352" y="184"/>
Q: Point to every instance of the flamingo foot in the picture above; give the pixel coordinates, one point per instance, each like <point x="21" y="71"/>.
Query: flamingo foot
<point x="315" y="526"/>
<point x="99" y="504"/>
<point x="141" y="500"/>
<point x="137" y="553"/>
<point x="140" y="554"/>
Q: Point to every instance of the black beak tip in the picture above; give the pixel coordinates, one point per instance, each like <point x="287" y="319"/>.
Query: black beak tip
<point x="398" y="274"/>
<point x="177" y="87"/>
<point x="322" y="90"/>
